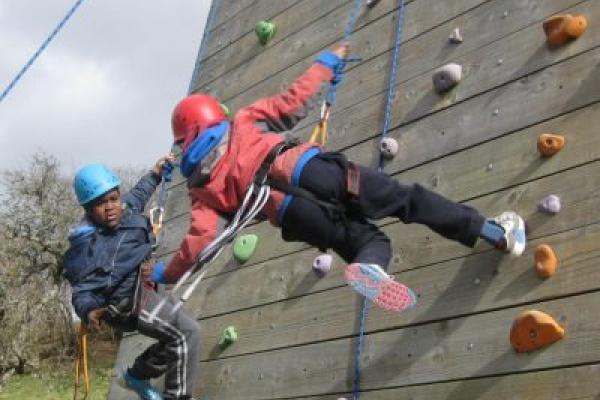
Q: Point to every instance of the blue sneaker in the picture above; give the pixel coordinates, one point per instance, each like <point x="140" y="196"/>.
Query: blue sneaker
<point x="143" y="388"/>
<point x="515" y="239"/>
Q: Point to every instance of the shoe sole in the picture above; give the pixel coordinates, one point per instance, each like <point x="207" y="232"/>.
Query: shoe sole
<point x="372" y="282"/>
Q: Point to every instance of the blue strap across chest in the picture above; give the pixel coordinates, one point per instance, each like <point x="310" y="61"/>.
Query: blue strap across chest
<point x="204" y="144"/>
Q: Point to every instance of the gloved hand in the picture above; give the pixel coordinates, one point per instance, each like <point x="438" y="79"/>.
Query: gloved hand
<point x="332" y="61"/>
<point x="155" y="273"/>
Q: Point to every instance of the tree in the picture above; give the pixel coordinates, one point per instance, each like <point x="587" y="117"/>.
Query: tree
<point x="36" y="209"/>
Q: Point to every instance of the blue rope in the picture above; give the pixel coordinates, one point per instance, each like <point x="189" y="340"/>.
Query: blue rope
<point x="359" y="348"/>
<point x="39" y="51"/>
<point x="207" y="28"/>
<point x="350" y="27"/>
<point x="386" y="126"/>
<point x="392" y="83"/>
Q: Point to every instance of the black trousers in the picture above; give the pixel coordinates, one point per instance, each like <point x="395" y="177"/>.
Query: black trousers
<point x="355" y="238"/>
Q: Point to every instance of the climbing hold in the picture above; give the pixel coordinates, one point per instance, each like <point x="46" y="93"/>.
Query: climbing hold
<point x="228" y="337"/>
<point x="549" y="144"/>
<point x="225" y="109"/>
<point x="533" y="330"/>
<point x="244" y="247"/>
<point x="265" y="31"/>
<point x="562" y="28"/>
<point x="322" y="264"/>
<point x="455" y="37"/>
<point x="546" y="261"/>
<point x="446" y="77"/>
<point x="372" y="3"/>
<point x="388" y="147"/>
<point x="550" y="204"/>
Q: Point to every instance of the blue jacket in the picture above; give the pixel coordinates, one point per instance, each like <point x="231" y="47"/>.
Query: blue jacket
<point x="103" y="266"/>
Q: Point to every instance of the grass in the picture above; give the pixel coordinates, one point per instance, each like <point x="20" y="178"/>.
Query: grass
<point x="55" y="382"/>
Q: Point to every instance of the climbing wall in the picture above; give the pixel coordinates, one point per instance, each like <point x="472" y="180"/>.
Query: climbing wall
<point x="476" y="144"/>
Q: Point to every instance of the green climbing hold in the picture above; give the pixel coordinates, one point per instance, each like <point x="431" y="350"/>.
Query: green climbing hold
<point x="244" y="247"/>
<point x="265" y="31"/>
<point x="225" y="110"/>
<point x="228" y="337"/>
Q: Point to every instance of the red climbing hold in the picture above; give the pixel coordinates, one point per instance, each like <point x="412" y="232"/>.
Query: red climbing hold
<point x="533" y="330"/>
<point x="562" y="28"/>
<point x="549" y="144"/>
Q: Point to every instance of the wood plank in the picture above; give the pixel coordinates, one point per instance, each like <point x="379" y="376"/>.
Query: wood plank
<point x="461" y="176"/>
<point x="460" y="286"/>
<point x="293" y="19"/>
<point x="304" y="45"/>
<point x="579" y="383"/>
<point x="462" y="348"/>
<point x="485" y="68"/>
<point x="228" y="9"/>
<point x="235" y="26"/>
<point x="553" y="91"/>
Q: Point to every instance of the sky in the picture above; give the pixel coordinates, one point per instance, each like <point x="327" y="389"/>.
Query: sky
<point x="104" y="89"/>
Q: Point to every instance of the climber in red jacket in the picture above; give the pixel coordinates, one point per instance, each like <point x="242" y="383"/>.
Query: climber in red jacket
<point x="221" y="158"/>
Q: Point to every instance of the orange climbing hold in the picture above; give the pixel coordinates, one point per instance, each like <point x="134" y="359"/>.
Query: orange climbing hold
<point x="546" y="261"/>
<point x="549" y="144"/>
<point x="562" y="28"/>
<point x="533" y="330"/>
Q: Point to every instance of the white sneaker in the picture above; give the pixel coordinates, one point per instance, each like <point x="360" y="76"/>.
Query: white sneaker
<point x="515" y="239"/>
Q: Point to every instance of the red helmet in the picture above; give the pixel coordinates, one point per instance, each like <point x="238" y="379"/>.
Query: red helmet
<point x="194" y="114"/>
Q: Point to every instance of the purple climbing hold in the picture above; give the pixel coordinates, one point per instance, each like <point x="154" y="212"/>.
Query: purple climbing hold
<point x="322" y="264"/>
<point x="550" y="204"/>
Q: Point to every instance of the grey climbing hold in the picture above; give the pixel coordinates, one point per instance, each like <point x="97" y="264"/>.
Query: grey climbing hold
<point x="322" y="264"/>
<point x="496" y="112"/>
<point x="446" y="77"/>
<point x="372" y="3"/>
<point x="550" y="204"/>
<point x="388" y="148"/>
<point x="455" y="37"/>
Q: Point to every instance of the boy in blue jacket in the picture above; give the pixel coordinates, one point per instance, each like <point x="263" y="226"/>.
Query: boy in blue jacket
<point x="103" y="266"/>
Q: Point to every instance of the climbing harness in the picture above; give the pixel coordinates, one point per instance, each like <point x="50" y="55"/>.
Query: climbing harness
<point x="39" y="51"/>
<point x="81" y="365"/>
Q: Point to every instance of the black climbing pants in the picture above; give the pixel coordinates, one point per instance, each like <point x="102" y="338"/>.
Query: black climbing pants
<point x="176" y="352"/>
<point x="354" y="237"/>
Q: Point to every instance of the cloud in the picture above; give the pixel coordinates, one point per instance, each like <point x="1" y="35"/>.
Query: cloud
<point x="104" y="88"/>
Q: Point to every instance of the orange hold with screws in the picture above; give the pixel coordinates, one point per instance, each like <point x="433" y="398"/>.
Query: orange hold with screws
<point x="546" y="261"/>
<point x="561" y="29"/>
<point x="549" y="144"/>
<point x="533" y="330"/>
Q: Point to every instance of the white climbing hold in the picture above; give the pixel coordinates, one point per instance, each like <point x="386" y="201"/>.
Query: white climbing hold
<point x="455" y="37"/>
<point x="388" y="148"/>
<point x="550" y="204"/>
<point x="322" y="264"/>
<point x="446" y="77"/>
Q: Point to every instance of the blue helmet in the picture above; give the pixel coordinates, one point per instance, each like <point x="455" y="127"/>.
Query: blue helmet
<point x="92" y="181"/>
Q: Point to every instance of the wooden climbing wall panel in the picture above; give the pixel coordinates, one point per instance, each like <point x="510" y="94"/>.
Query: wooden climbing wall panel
<point x="475" y="145"/>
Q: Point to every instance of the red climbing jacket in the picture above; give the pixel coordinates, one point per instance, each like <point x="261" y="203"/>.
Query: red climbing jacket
<point x="251" y="137"/>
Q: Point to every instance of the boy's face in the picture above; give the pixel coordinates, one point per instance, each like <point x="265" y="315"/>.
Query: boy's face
<point x="106" y="209"/>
